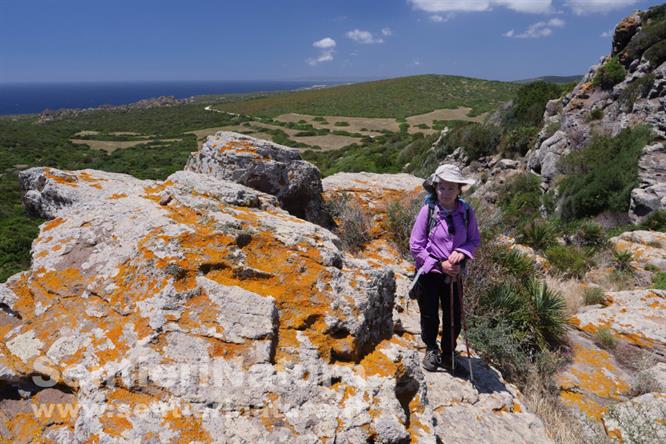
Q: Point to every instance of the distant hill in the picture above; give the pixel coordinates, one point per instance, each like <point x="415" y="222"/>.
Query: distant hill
<point x="399" y="97"/>
<point x="552" y="79"/>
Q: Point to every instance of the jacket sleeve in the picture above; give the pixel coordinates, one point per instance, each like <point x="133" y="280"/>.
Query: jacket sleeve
<point x="473" y="238"/>
<point x="419" y="240"/>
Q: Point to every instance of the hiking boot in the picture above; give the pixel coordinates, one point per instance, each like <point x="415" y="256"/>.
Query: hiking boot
<point x="445" y="362"/>
<point x="431" y="360"/>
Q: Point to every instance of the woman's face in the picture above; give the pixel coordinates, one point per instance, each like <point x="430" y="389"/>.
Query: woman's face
<point x="447" y="192"/>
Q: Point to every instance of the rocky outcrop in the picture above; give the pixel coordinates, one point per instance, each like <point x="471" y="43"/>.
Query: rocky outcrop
<point x="639" y="99"/>
<point x="195" y="309"/>
<point x="265" y="166"/>
<point x="650" y="196"/>
<point x="647" y="249"/>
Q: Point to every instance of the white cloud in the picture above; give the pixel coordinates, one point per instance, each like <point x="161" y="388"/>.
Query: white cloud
<point x="439" y="18"/>
<point x="582" y="7"/>
<point x="327" y="46"/>
<point x="606" y="34"/>
<point x="537" y="30"/>
<point x="438" y="6"/>
<point x="387" y="32"/>
<point x="364" y="37"/>
<point x="416" y="62"/>
<point x="324" y="43"/>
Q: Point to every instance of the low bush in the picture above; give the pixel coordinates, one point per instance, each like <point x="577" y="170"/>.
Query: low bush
<point x="610" y="74"/>
<point x="637" y="88"/>
<point x="593" y="296"/>
<point x="656" y="221"/>
<point x="569" y="260"/>
<point x="353" y="224"/>
<point x="518" y="141"/>
<point x="596" y="114"/>
<point x="605" y="339"/>
<point x="341" y="123"/>
<point x="601" y="176"/>
<point x="520" y="200"/>
<point x="514" y="263"/>
<point x="622" y="261"/>
<point x="659" y="280"/>
<point x="590" y="234"/>
<point x="400" y="219"/>
<point x="538" y="234"/>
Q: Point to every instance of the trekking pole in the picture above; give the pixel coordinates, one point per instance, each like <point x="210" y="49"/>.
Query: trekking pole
<point x="464" y="325"/>
<point x="453" y="341"/>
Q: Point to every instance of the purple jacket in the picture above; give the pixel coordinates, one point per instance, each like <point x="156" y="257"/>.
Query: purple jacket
<point x="439" y="244"/>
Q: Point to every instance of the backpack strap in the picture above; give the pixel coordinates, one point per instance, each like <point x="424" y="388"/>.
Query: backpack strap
<point x="431" y="219"/>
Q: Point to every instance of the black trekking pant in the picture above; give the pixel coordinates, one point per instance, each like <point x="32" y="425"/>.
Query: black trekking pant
<point x="437" y="295"/>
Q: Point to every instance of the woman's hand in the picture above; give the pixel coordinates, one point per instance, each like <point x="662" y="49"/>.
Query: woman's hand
<point x="456" y="257"/>
<point x="451" y="269"/>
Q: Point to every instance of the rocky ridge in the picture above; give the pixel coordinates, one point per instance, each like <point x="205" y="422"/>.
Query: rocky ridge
<point x="640" y="98"/>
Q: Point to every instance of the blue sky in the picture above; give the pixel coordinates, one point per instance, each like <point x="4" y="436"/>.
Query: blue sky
<point x="75" y="40"/>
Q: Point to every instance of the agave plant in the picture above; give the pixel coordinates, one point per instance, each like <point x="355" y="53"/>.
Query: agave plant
<point x="538" y="234"/>
<point x="622" y="260"/>
<point x="547" y="314"/>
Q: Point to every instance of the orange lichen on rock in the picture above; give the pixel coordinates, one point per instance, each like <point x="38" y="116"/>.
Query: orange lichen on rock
<point x="118" y="196"/>
<point x="594" y="372"/>
<point x="66" y="179"/>
<point x="52" y="224"/>
<point x="377" y="363"/>
<point x="586" y="405"/>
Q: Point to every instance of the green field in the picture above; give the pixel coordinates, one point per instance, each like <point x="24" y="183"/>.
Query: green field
<point x="400" y="97"/>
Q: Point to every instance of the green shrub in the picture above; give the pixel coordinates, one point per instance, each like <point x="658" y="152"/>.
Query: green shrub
<point x="422" y="126"/>
<point x="605" y="339"/>
<point x="596" y="114"/>
<point x="622" y="261"/>
<point x="518" y="141"/>
<point x="653" y="31"/>
<point x="601" y="176"/>
<point x="552" y="128"/>
<point x="341" y="123"/>
<point x="656" y="221"/>
<point x="569" y="260"/>
<point x="538" y="234"/>
<point x="637" y="88"/>
<point x="590" y="234"/>
<point x="659" y="280"/>
<point x="656" y="54"/>
<point x="610" y="74"/>
<point x="514" y="263"/>
<point x="520" y="199"/>
<point x="400" y="219"/>
<point x="593" y="296"/>
<point x="530" y="103"/>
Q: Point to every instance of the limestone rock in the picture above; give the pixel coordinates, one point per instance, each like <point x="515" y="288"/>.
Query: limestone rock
<point x="593" y="381"/>
<point x="642" y="419"/>
<point x="265" y="166"/>
<point x="213" y="303"/>
<point x="650" y="195"/>
<point x="638" y="317"/>
<point x="648" y="248"/>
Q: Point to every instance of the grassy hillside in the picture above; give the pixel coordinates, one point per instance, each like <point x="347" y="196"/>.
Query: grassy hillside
<point x="400" y="97"/>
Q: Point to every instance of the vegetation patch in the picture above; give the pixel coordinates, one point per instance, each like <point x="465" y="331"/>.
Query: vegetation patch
<point x="610" y="74"/>
<point x="400" y="97"/>
<point x="600" y="177"/>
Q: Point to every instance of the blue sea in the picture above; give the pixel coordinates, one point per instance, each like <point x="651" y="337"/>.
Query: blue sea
<point x="28" y="98"/>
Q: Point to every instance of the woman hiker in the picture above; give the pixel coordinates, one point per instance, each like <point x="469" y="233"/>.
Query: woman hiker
<point x="445" y="234"/>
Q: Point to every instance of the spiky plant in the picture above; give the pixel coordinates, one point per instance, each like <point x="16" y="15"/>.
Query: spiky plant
<point x="547" y="314"/>
<point x="538" y="234"/>
<point x="622" y="261"/>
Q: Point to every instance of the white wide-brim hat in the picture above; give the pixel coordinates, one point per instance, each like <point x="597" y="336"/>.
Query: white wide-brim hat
<point x="448" y="172"/>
